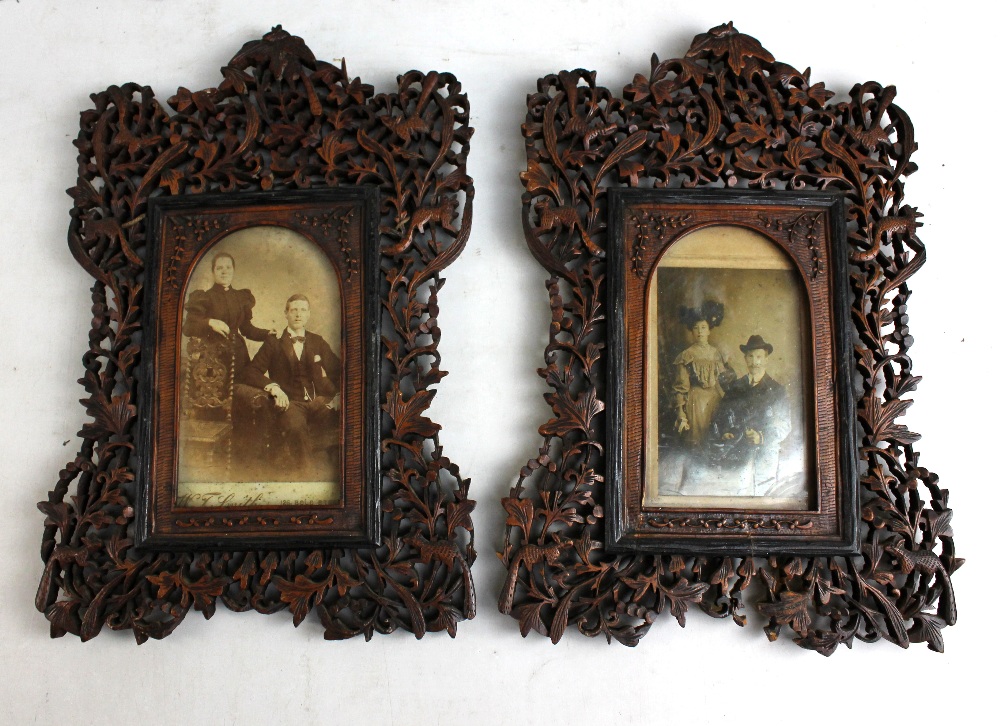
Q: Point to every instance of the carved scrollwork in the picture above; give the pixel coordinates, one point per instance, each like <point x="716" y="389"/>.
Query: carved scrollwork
<point x="652" y="227"/>
<point x="739" y="523"/>
<point x="339" y="221"/>
<point x="280" y="119"/>
<point x="725" y="115"/>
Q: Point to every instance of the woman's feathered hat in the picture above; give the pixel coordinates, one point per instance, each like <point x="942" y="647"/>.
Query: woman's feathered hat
<point x="711" y="311"/>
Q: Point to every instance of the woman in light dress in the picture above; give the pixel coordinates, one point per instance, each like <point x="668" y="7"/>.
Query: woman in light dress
<point x="699" y="372"/>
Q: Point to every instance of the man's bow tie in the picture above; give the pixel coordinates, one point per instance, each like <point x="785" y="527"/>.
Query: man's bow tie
<point x="298" y="338"/>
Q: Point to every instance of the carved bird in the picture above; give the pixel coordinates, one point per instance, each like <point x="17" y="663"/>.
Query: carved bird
<point x="529" y="555"/>
<point x="870" y="138"/>
<point x="447" y="553"/>
<point x="405" y="127"/>
<point x="928" y="563"/>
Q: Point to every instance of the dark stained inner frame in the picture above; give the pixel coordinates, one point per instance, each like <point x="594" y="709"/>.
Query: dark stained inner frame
<point x="161" y="523"/>
<point x="820" y="255"/>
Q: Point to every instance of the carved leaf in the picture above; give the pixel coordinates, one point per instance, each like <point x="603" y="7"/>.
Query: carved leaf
<point x="628" y="146"/>
<point x="746" y="132"/>
<point x="881" y="417"/>
<point x="520" y="513"/>
<point x="642" y="584"/>
<point x="111" y="417"/>
<point x="459" y="514"/>
<point x="343" y="580"/>
<point x="825" y="589"/>
<point x="407" y="415"/>
<point x="561" y="617"/>
<point x="417" y="623"/>
<point x="726" y="42"/>
<point x="897" y="626"/>
<point x="530" y="617"/>
<point x="799" y="152"/>
<point x="63" y="618"/>
<point x="57" y="514"/>
<point x="792" y="609"/>
<point x="939" y="523"/>
<point x="534" y="179"/>
<point x="682" y="596"/>
<point x="246" y="570"/>
<point x="571" y="414"/>
<point x="927" y="629"/>
<point x="300" y="594"/>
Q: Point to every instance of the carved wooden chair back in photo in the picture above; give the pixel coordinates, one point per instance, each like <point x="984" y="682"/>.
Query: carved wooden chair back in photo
<point x="207" y="410"/>
<point x="726" y="115"/>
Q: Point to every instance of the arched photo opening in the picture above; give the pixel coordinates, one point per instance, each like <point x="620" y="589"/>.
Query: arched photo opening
<point x="260" y="376"/>
<point x="729" y="404"/>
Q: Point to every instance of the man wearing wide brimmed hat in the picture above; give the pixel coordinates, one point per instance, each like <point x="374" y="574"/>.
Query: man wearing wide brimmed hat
<point x="752" y="421"/>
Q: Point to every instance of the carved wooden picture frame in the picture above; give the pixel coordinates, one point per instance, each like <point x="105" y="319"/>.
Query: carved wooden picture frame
<point x="223" y="464"/>
<point x="725" y="116"/>
<point x="764" y="262"/>
<point x="285" y="141"/>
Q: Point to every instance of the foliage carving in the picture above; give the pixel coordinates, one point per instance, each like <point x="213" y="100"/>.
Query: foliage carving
<point x="725" y="115"/>
<point x="280" y="119"/>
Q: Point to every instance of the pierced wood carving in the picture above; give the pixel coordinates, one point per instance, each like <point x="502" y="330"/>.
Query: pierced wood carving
<point x="725" y="115"/>
<point x="279" y="120"/>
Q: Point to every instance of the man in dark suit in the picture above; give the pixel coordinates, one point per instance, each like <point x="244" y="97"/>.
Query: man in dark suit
<point x="302" y="374"/>
<point x="751" y="421"/>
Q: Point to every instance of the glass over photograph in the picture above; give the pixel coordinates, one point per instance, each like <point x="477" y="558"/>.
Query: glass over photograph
<point x="260" y="376"/>
<point x="728" y="385"/>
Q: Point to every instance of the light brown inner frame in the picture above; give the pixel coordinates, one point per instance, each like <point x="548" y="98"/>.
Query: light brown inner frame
<point x="345" y="521"/>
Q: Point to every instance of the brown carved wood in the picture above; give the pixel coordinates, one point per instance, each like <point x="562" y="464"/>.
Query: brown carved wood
<point x="800" y="225"/>
<point x="341" y="222"/>
<point x="725" y="115"/>
<point x="279" y="120"/>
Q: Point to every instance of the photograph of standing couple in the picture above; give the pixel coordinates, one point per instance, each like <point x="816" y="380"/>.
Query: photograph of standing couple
<point x="727" y="388"/>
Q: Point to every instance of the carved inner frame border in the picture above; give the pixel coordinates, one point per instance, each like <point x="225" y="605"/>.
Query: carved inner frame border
<point x="280" y="120"/>
<point x="726" y="115"/>
<point x="343" y="223"/>
<point x="808" y="226"/>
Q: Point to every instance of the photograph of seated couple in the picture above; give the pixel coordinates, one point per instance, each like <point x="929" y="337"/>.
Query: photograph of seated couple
<point x="259" y="405"/>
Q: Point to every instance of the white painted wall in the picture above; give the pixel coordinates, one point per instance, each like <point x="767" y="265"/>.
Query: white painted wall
<point x="250" y="669"/>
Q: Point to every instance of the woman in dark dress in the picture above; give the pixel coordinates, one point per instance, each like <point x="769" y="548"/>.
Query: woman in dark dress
<point x="218" y="321"/>
<point x="224" y="311"/>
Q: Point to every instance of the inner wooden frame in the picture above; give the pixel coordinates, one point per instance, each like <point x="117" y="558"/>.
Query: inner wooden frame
<point x="809" y="228"/>
<point x="343" y="224"/>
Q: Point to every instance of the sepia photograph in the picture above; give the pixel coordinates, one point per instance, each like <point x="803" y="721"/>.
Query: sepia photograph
<point x="728" y="401"/>
<point x="260" y="374"/>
